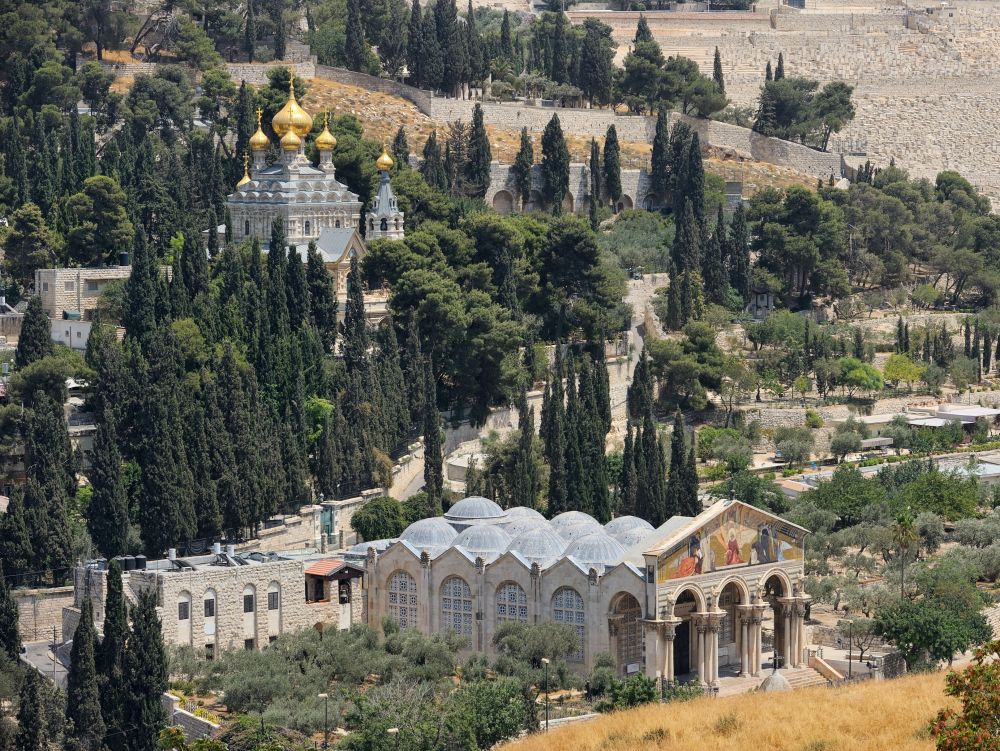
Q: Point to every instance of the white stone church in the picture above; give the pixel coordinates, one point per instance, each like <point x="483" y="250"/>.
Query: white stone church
<point x="678" y="602"/>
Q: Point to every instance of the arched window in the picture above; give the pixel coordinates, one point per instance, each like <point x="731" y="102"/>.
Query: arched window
<point x="403" y="599"/>
<point x="512" y="603"/>
<point x="209" y="605"/>
<point x="249" y="599"/>
<point x="274" y="596"/>
<point x="628" y="630"/>
<point x="337" y="224"/>
<point x="184" y="606"/>
<point x="384" y="225"/>
<point x="456" y="606"/>
<point x="567" y="607"/>
<point x="246" y="227"/>
<point x="308" y="226"/>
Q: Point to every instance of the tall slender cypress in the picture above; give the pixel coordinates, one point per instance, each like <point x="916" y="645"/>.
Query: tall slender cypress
<point x="660" y="164"/>
<point x="107" y="514"/>
<point x="354" y="35"/>
<point x="10" y="633"/>
<point x="414" y="45"/>
<point x="35" y="340"/>
<point x="145" y="675"/>
<point x="717" y="71"/>
<point x="477" y="165"/>
<point x="555" y="164"/>
<point x="612" y="166"/>
<point x="713" y="267"/>
<point x="433" y="459"/>
<point x="31" y="724"/>
<point x="521" y="168"/>
<point x="83" y="705"/>
<point x="676" y="501"/>
<point x="432" y="167"/>
<point x="691" y="506"/>
<point x="739" y="254"/>
<point x="627" y="479"/>
<point x="595" y="184"/>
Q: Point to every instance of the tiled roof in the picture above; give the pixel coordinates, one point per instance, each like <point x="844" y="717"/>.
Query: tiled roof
<point x="325" y="567"/>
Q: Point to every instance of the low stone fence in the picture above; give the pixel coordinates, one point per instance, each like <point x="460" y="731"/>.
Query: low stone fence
<point x="419" y="97"/>
<point x="194" y="727"/>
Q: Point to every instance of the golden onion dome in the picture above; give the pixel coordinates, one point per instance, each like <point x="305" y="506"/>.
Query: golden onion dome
<point x="246" y="174"/>
<point x="326" y="141"/>
<point x="258" y="141"/>
<point x="384" y="163"/>
<point x="290" y="141"/>
<point x="292" y="117"/>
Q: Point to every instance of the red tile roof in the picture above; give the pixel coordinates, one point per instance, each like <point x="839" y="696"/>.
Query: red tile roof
<point x="325" y="567"/>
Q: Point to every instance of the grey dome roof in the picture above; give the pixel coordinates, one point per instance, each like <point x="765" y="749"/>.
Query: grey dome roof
<point x="539" y="545"/>
<point x="362" y="547"/>
<point x="626" y="523"/>
<point x="774" y="682"/>
<point x="597" y="550"/>
<point x="576" y="530"/>
<point x="426" y="534"/>
<point x="523" y="512"/>
<point x="634" y="536"/>
<point x="574" y="517"/>
<point x="521" y="524"/>
<point x="474" y="507"/>
<point x="484" y="540"/>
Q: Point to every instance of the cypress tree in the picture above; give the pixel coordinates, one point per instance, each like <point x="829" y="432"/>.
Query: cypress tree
<point x="642" y="31"/>
<point x="691" y="505"/>
<point x="413" y="374"/>
<point x="10" y="634"/>
<point x="713" y="267"/>
<point x="433" y="459"/>
<point x="356" y="340"/>
<point x="326" y="468"/>
<point x="660" y="164"/>
<point x="612" y="166"/>
<point x="400" y="149"/>
<point x="527" y="483"/>
<point x="31" y="724"/>
<point x="432" y="67"/>
<point x="506" y="42"/>
<point x="295" y="286"/>
<point x="477" y="165"/>
<point x="83" y="705"/>
<point x="433" y="168"/>
<point x="555" y="428"/>
<point x="717" y="71"/>
<point x="142" y="298"/>
<point x="739" y="254"/>
<point x="677" y="484"/>
<point x="243" y="119"/>
<point x="900" y="335"/>
<point x="685" y="252"/>
<point x="107" y="514"/>
<point x="627" y="480"/>
<point x="555" y="164"/>
<point x="16" y="551"/>
<point x="354" y="34"/>
<point x="277" y="280"/>
<point x="521" y="168"/>
<point x="322" y="303"/>
<point x="145" y="675"/>
<point x="250" y="32"/>
<point x="967" y="335"/>
<point x="454" y="55"/>
<point x="779" y="72"/>
<point x="987" y="350"/>
<point x="206" y="502"/>
<point x="768" y="76"/>
<point x="674" y="320"/>
<point x="560" y="53"/>
<point x="694" y="190"/>
<point x="414" y="46"/>
<point x="279" y="33"/>
<point x="577" y="434"/>
<point x="651" y="493"/>
<point x="35" y="340"/>
<point x="595" y="184"/>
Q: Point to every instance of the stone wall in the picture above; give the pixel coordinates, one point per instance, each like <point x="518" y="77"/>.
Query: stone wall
<point x="194" y="727"/>
<point x="419" y="97"/>
<point x="39" y="610"/>
<point x="75" y="289"/>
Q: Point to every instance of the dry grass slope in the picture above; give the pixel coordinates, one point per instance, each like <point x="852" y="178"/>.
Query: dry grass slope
<point x="872" y="716"/>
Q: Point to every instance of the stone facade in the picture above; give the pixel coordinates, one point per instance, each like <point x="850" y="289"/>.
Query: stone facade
<point x="75" y="289"/>
<point x="39" y="610"/>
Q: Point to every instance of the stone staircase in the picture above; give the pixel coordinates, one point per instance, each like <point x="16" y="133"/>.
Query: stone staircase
<point x="803" y="677"/>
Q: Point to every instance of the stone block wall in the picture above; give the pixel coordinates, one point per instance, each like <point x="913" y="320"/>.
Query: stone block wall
<point x="194" y="727"/>
<point x="75" y="289"/>
<point x="39" y="610"/>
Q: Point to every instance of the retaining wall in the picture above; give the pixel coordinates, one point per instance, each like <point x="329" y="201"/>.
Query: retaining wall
<point x="194" y="727"/>
<point x="419" y="97"/>
<point x="41" y="609"/>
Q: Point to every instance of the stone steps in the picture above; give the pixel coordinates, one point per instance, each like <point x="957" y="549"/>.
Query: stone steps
<point x="803" y="677"/>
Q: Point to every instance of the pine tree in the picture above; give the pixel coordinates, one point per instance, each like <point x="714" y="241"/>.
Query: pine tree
<point x="660" y="165"/>
<point x="250" y="32"/>
<point x="555" y="164"/>
<point x="31" y="724"/>
<point x="433" y="459"/>
<point x="35" y="341"/>
<point x="713" y="267"/>
<point x="354" y="35"/>
<point x="83" y="705"/>
<point x="10" y="634"/>
<point x="676" y="498"/>
<point x="739" y="254"/>
<point x="717" y="72"/>
<point x="779" y="72"/>
<point x="433" y="168"/>
<point x="595" y="184"/>
<point x="612" y="166"/>
<point x="145" y="675"/>
<point x="477" y="166"/>
<point x="414" y="45"/>
<point x="521" y="168"/>
<point x="642" y="31"/>
<point x="107" y="514"/>
<point x="400" y="149"/>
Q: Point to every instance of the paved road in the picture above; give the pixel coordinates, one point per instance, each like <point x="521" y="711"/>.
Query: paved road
<point x="39" y="655"/>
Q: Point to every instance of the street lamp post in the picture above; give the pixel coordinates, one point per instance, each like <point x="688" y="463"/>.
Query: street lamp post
<point x="545" y="662"/>
<point x="326" y="719"/>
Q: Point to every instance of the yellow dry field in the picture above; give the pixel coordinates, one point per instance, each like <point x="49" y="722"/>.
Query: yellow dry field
<point x="870" y="716"/>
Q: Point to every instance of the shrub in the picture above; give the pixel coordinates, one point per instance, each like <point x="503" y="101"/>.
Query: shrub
<point x="813" y="419"/>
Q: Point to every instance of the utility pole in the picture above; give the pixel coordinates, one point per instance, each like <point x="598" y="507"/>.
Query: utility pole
<point x="54" y="657"/>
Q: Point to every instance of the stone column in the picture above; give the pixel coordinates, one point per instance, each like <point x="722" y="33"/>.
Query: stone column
<point x="702" y="627"/>
<point x="758" y="618"/>
<point x="714" y="626"/>
<point x="669" y="633"/>
<point x="747" y="639"/>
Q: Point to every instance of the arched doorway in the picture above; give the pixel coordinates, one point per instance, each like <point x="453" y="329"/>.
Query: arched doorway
<point x="731" y="638"/>
<point x="774" y="588"/>
<point x="625" y="630"/>
<point x="624" y="203"/>
<point x="503" y="202"/>
<point x="685" y="644"/>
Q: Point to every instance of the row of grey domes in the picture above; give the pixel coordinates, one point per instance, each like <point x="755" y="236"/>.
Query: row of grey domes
<point x="483" y="529"/>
